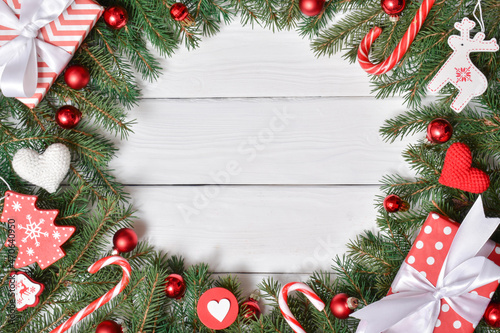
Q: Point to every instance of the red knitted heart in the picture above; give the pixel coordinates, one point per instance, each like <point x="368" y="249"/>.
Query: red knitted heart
<point x="458" y="172"/>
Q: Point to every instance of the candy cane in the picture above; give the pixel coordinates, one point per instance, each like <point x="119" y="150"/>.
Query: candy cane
<point x="112" y="260"/>
<point x="283" y="303"/>
<point x="399" y="52"/>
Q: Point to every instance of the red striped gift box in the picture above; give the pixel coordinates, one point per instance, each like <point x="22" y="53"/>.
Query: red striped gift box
<point x="67" y="32"/>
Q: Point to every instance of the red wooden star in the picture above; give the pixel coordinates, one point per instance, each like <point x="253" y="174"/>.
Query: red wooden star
<point x="34" y="231"/>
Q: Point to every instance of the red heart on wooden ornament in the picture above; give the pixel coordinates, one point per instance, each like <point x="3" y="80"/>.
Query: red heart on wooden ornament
<point x="459" y="173"/>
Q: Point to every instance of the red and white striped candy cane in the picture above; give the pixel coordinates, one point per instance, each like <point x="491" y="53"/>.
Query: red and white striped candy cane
<point x="112" y="260"/>
<point x="283" y="303"/>
<point x="399" y="52"/>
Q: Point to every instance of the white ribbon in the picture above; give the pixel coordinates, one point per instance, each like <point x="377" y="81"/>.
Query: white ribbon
<point x="19" y="56"/>
<point x="415" y="305"/>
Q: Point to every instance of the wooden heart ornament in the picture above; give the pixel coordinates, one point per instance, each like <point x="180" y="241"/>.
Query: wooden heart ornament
<point x="459" y="173"/>
<point x="217" y="308"/>
<point x="46" y="170"/>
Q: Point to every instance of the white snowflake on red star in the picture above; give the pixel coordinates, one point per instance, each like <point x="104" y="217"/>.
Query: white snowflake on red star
<point x="33" y="227"/>
<point x="56" y="235"/>
<point x="33" y="230"/>
<point x="463" y="74"/>
<point x="16" y="206"/>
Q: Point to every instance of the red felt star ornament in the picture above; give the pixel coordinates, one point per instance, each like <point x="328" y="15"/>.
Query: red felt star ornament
<point x="36" y="235"/>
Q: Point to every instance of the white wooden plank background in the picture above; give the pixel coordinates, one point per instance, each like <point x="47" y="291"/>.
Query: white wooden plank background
<point x="291" y="193"/>
<point x="241" y="62"/>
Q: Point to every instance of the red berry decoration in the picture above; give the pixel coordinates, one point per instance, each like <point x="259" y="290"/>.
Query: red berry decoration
<point x="492" y="314"/>
<point x="393" y="204"/>
<point x="109" y="326"/>
<point x="250" y="308"/>
<point x="311" y="7"/>
<point x="175" y="287"/>
<point x="116" y="17"/>
<point x="77" y="77"/>
<point x="393" y="7"/>
<point x="342" y="305"/>
<point x="439" y="131"/>
<point x="125" y="240"/>
<point x="68" y="116"/>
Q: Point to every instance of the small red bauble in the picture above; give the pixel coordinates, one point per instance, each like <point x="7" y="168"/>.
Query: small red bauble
<point x="342" y="305"/>
<point x="77" y="77"/>
<point x="179" y="11"/>
<point x="251" y="309"/>
<point x="492" y="315"/>
<point x="311" y="7"/>
<point x="68" y="116"/>
<point x="125" y="240"/>
<point x="175" y="287"/>
<point x="116" y="17"/>
<point x="393" y="7"/>
<point x="393" y="204"/>
<point x="439" y="131"/>
<point x="109" y="326"/>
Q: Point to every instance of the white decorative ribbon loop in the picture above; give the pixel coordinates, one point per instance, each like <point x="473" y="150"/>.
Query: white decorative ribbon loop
<point x="18" y="58"/>
<point x="415" y="304"/>
<point x="30" y="30"/>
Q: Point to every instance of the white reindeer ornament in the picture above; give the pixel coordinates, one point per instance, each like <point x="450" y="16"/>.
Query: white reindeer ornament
<point x="459" y="69"/>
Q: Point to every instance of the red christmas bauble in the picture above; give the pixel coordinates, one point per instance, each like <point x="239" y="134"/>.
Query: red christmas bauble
<point x="393" y="7"/>
<point x="109" y="326"/>
<point x="77" y="77"/>
<point x="251" y="309"/>
<point x="393" y="204"/>
<point x="439" y="131"/>
<point x="116" y="17"/>
<point x="492" y="315"/>
<point x="68" y="116"/>
<point x="342" y="305"/>
<point x="311" y="7"/>
<point x="175" y="287"/>
<point x="125" y="240"/>
<point x="179" y="11"/>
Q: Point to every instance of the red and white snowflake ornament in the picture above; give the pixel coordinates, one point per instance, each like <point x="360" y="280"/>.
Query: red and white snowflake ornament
<point x="463" y="74"/>
<point x="27" y="291"/>
<point x="36" y="235"/>
<point x="459" y="69"/>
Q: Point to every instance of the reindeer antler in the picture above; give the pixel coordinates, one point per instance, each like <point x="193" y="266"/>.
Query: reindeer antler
<point x="465" y="27"/>
<point x="479" y="37"/>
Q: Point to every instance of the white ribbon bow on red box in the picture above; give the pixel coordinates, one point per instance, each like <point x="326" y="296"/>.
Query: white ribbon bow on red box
<point x="18" y="58"/>
<point x="415" y="304"/>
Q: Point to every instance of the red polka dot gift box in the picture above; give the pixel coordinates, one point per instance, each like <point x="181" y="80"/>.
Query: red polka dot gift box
<point x="427" y="256"/>
<point x="446" y="281"/>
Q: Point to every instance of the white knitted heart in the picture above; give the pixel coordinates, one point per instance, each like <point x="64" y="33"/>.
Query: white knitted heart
<point x="46" y="170"/>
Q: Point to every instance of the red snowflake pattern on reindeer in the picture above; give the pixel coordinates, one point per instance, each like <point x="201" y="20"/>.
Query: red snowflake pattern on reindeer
<point x="463" y="74"/>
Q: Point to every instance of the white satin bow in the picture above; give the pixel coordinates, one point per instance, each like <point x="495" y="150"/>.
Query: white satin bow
<point x="18" y="58"/>
<point x="416" y="303"/>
